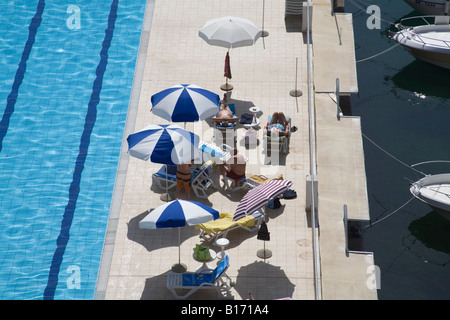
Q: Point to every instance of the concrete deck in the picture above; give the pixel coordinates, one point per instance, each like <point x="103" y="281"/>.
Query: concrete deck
<point x="340" y="158"/>
<point x="135" y="261"/>
<point x="334" y="49"/>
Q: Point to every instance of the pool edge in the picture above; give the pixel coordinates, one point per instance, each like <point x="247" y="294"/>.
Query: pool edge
<point x="109" y="241"/>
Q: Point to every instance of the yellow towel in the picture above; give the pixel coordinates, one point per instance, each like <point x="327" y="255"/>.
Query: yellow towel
<point x="225" y="222"/>
<point x="261" y="179"/>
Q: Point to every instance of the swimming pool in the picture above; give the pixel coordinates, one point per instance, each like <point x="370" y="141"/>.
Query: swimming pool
<point x="67" y="75"/>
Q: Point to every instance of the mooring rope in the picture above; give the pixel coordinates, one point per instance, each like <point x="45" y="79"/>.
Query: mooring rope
<point x="390" y="214"/>
<point x="403" y="163"/>
<point x="379" y="54"/>
<point x="357" y="5"/>
<point x="381" y="19"/>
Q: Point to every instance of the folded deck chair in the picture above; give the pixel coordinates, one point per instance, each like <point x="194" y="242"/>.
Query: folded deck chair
<point x="224" y="131"/>
<point x="219" y="228"/>
<point x="216" y="279"/>
<point x="248" y="183"/>
<point x="277" y="142"/>
<point x="201" y="180"/>
<point x="216" y="153"/>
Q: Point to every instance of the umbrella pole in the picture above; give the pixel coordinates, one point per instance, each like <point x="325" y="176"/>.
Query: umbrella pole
<point x="179" y="246"/>
<point x="226" y="86"/>
<point x="264" y="253"/>
<point x="179" y="267"/>
<point x="166" y="196"/>
<point x="264" y="33"/>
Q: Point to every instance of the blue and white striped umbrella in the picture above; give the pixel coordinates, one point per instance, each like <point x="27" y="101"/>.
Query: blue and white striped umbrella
<point x="165" y="144"/>
<point x="178" y="213"/>
<point x="185" y="103"/>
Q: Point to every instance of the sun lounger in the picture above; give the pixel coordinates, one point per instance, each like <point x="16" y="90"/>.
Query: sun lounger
<point x="160" y="177"/>
<point x="280" y="143"/>
<point x="223" y="131"/>
<point x="216" y="279"/>
<point x="219" y="228"/>
<point x="200" y="179"/>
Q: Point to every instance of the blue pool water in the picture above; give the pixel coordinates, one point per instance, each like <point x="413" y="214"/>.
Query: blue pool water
<point x="67" y="74"/>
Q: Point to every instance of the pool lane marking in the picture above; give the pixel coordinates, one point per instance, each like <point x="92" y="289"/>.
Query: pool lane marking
<point x="20" y="73"/>
<point x="74" y="189"/>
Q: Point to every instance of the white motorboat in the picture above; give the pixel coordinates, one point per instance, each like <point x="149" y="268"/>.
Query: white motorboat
<point x="430" y="7"/>
<point x="429" y="42"/>
<point x="435" y="191"/>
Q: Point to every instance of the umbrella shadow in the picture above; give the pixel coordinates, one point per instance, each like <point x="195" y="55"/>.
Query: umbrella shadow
<point x="264" y="281"/>
<point x="152" y="288"/>
<point x="220" y="187"/>
<point x="153" y="239"/>
<point x="240" y="107"/>
<point x="155" y="289"/>
<point x="234" y="196"/>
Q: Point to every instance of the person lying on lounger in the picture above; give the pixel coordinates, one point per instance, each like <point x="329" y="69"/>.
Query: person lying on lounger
<point x="278" y="125"/>
<point x="224" y="117"/>
<point x="235" y="167"/>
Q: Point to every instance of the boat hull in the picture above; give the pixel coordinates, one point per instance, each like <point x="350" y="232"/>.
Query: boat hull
<point x="434" y="190"/>
<point x="438" y="59"/>
<point x="435" y="7"/>
<point x="429" y="43"/>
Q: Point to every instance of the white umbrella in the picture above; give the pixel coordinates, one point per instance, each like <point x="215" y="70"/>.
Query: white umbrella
<point x="176" y="214"/>
<point x="229" y="32"/>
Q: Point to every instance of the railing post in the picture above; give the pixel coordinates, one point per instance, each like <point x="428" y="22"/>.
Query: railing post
<point x="346" y="230"/>
<point x="317" y="285"/>
<point x="338" y="107"/>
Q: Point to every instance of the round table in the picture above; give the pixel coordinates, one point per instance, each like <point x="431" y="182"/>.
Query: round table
<point x="255" y="121"/>
<point x="222" y="243"/>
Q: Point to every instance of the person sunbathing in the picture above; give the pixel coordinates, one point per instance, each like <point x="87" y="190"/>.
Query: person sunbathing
<point x="279" y="125"/>
<point x="224" y="117"/>
<point x="235" y="167"/>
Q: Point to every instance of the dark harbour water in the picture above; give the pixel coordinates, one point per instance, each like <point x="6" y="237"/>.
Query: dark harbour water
<point x="404" y="105"/>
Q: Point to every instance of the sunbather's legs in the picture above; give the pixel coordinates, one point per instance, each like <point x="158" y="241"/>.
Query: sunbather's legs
<point x="187" y="188"/>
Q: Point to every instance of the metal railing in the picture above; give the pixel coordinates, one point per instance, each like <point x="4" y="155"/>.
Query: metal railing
<point x="407" y="31"/>
<point x="338" y="106"/>
<point x="317" y="286"/>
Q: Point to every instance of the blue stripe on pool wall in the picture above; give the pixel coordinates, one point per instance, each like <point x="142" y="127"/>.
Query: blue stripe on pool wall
<point x="20" y="73"/>
<point x="74" y="189"/>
